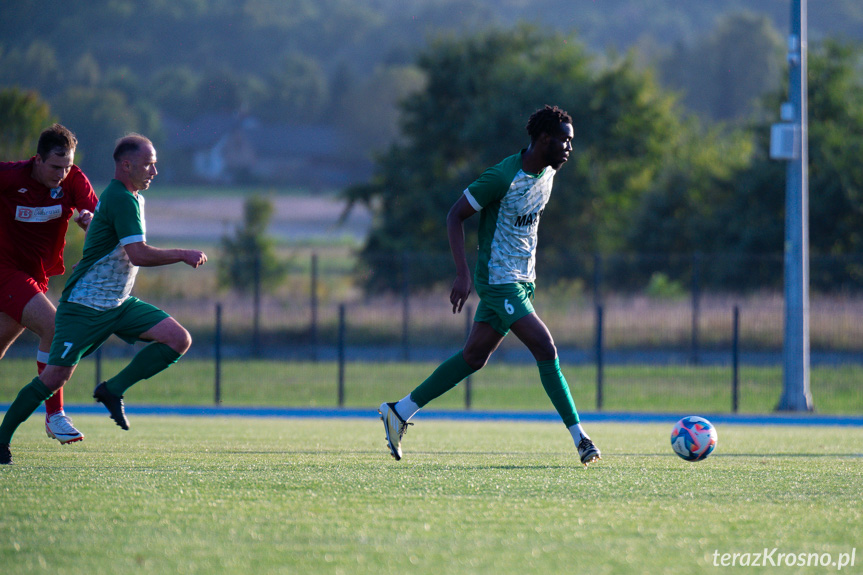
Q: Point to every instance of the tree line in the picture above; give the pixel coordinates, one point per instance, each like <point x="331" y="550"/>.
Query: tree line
<point x="107" y="67"/>
<point x="643" y="177"/>
<point x="667" y="158"/>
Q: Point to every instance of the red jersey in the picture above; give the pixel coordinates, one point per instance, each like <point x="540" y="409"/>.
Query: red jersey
<point x="34" y="219"/>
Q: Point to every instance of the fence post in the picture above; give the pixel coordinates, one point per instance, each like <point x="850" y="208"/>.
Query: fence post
<point x="599" y="358"/>
<point x="468" y="388"/>
<point x="256" y="312"/>
<point x="217" y="345"/>
<point x="696" y="307"/>
<point x="313" y="328"/>
<point x="735" y="361"/>
<point x="341" y="392"/>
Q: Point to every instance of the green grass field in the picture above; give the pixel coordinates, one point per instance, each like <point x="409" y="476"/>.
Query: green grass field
<point x="498" y="386"/>
<point x="236" y="495"/>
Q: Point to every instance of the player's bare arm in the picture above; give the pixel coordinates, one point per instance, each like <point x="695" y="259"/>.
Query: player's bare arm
<point x="463" y="283"/>
<point x="143" y="255"/>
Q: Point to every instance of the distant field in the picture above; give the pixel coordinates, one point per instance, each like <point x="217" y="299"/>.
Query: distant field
<point x="200" y="213"/>
<point x="162" y="190"/>
<point x="244" y="496"/>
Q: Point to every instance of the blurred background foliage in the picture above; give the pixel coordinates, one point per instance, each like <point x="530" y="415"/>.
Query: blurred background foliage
<point x="119" y="65"/>
<point x="672" y="105"/>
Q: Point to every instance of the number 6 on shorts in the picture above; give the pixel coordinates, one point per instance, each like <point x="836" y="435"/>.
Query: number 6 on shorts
<point x="508" y="307"/>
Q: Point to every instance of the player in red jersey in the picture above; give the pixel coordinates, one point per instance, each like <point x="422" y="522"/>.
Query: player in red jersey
<point x="37" y="199"/>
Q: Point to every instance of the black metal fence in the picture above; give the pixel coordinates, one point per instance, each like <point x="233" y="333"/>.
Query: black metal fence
<point x="627" y="326"/>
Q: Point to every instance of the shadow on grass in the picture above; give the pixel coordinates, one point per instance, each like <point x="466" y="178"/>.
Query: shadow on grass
<point x="777" y="455"/>
<point x="723" y="455"/>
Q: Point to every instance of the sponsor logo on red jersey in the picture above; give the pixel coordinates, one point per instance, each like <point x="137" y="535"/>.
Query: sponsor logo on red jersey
<point x="43" y="214"/>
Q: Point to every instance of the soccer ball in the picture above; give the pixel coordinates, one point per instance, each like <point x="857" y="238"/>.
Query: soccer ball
<point x="693" y="438"/>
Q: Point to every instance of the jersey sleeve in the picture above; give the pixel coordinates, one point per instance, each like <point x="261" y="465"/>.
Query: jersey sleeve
<point x="126" y="218"/>
<point x="82" y="190"/>
<point x="490" y="187"/>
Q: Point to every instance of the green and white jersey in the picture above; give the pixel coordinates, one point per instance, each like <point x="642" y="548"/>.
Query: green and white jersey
<point x="510" y="202"/>
<point x="104" y="277"/>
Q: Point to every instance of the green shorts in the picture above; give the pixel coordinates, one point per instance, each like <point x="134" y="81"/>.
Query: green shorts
<point x="80" y="330"/>
<point x="502" y="305"/>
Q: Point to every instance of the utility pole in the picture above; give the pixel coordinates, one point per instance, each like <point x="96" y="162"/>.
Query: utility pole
<point x="789" y="141"/>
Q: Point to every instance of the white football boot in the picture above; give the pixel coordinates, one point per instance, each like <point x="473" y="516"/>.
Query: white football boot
<point x="60" y="427"/>
<point x="395" y="427"/>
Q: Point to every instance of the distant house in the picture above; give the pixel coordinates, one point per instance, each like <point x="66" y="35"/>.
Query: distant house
<point x="232" y="149"/>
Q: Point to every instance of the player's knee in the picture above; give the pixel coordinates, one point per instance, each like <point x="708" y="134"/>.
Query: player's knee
<point x="184" y="341"/>
<point x="54" y="377"/>
<point x="43" y="327"/>
<point x="474" y="359"/>
<point x="180" y="340"/>
<point x="47" y="333"/>
<point x="545" y="352"/>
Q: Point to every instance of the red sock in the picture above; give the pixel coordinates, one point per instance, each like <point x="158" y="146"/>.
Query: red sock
<point x="54" y="403"/>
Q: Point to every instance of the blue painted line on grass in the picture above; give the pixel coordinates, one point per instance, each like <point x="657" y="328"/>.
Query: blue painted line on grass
<point x="461" y="415"/>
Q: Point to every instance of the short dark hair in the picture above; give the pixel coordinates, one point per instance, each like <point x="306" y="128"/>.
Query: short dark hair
<point x="129" y="144"/>
<point x="546" y="120"/>
<point x="57" y="137"/>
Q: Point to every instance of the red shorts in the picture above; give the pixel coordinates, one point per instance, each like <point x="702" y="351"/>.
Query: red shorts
<point x="16" y="290"/>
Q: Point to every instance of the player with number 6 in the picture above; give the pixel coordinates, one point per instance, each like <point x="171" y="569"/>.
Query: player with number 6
<point x="510" y="197"/>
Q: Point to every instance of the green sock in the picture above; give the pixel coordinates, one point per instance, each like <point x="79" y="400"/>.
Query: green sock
<point x="146" y="363"/>
<point x="444" y="378"/>
<point x="29" y="398"/>
<point x="558" y="390"/>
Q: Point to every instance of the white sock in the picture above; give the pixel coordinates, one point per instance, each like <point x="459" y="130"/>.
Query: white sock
<point x="577" y="433"/>
<point x="406" y="408"/>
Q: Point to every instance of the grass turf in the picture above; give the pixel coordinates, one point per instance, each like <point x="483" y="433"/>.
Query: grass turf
<point x="498" y="386"/>
<point x="237" y="495"/>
